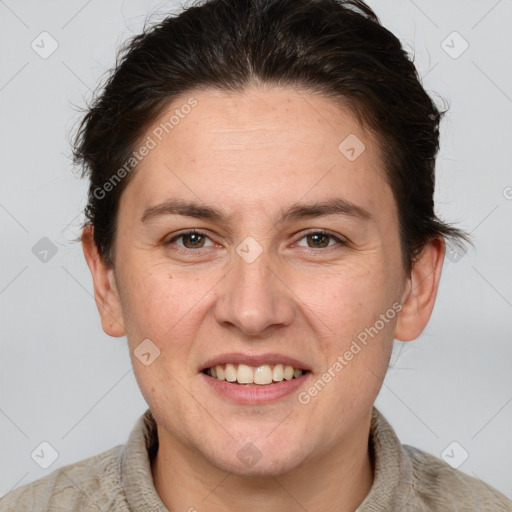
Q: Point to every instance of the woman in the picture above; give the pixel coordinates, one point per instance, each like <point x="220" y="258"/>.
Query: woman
<point x="261" y="227"/>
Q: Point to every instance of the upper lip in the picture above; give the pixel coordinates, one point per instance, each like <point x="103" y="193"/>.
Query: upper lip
<point x="254" y="360"/>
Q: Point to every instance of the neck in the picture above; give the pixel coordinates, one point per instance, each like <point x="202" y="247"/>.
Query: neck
<point x="337" y="480"/>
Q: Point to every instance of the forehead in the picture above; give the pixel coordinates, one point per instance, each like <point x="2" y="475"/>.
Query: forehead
<point x="259" y="148"/>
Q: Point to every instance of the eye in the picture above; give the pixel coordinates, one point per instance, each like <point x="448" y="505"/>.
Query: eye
<point x="191" y="240"/>
<point x="320" y="239"/>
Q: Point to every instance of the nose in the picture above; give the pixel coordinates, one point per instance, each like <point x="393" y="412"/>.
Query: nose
<point x="253" y="298"/>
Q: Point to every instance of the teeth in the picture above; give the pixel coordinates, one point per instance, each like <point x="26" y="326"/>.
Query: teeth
<point x="288" y="372"/>
<point x="230" y="373"/>
<point x="244" y="375"/>
<point x="278" y="373"/>
<point x="220" y="372"/>
<point x="261" y="375"/>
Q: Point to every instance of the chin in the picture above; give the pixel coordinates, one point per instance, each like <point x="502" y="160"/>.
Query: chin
<point x="258" y="459"/>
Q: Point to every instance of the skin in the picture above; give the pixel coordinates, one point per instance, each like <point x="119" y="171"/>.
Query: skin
<point x="304" y="298"/>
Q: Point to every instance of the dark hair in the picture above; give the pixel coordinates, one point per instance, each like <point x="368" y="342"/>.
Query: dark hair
<point x="337" y="48"/>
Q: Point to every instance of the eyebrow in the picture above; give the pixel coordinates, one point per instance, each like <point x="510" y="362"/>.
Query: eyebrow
<point x="298" y="211"/>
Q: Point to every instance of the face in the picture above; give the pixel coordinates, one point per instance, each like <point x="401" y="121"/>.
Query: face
<point x="295" y="255"/>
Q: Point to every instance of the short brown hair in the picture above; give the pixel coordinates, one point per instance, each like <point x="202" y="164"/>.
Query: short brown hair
<point x="337" y="48"/>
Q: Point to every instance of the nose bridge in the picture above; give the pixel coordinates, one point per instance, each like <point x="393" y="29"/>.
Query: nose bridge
<point x="252" y="297"/>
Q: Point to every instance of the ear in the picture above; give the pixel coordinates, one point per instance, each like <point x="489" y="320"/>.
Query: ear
<point x="105" y="289"/>
<point x="420" y="291"/>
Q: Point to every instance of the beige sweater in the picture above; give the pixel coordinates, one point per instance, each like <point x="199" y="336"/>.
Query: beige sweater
<point x="406" y="480"/>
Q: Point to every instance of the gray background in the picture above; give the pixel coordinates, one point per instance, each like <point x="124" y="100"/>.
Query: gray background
<point x="63" y="381"/>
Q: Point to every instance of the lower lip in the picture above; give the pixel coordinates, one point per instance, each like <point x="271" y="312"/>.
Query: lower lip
<point x="254" y="393"/>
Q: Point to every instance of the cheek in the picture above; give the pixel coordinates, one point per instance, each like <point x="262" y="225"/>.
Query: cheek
<point x="353" y="313"/>
<point x="345" y="300"/>
<point x="151" y="303"/>
<point x="167" y="309"/>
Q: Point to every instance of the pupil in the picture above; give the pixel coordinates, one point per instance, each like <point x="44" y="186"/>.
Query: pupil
<point x="317" y="237"/>
<point x="194" y="238"/>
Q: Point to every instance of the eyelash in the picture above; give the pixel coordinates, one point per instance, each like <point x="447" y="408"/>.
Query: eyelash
<point x="307" y="233"/>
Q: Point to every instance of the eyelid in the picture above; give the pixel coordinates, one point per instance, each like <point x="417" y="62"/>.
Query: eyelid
<point x="341" y="240"/>
<point x="185" y="232"/>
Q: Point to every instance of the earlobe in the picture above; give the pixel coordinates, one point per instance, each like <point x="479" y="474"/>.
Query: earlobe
<point x="105" y="290"/>
<point x="420" y="291"/>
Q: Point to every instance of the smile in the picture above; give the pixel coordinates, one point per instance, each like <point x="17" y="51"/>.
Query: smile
<point x="262" y="375"/>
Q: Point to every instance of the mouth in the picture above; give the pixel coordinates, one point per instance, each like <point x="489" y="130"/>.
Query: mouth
<point x="261" y="375"/>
